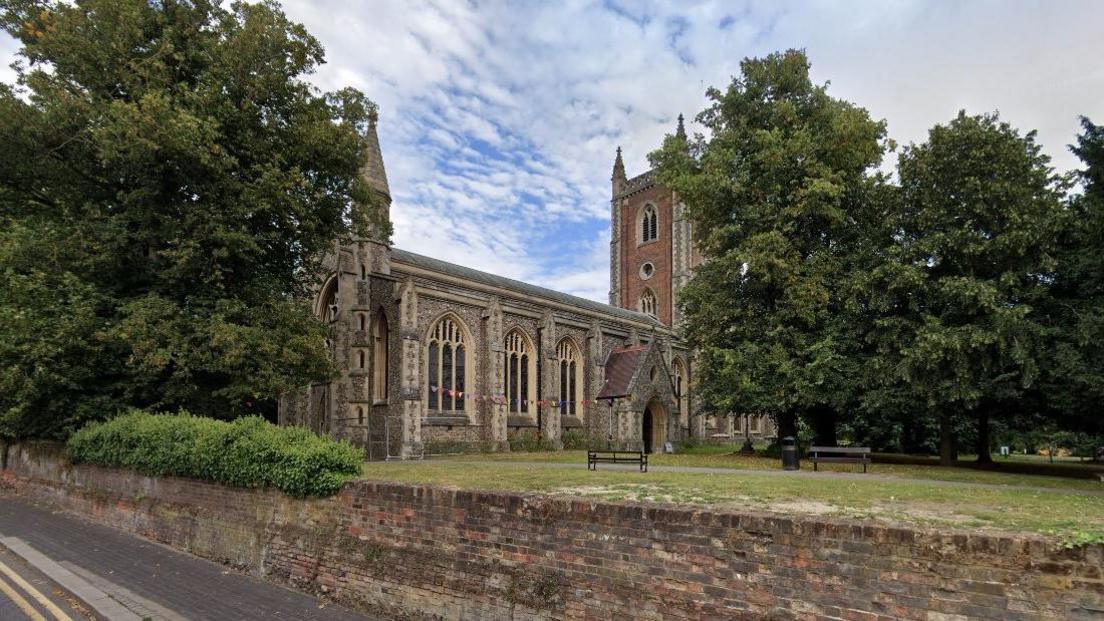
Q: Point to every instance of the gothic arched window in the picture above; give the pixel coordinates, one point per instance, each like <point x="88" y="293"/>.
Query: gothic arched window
<point x="327" y="301"/>
<point x="519" y="372"/>
<point x="571" y="377"/>
<point x="648" y="302"/>
<point x="379" y="357"/>
<point x="649" y="224"/>
<point x="445" y="365"/>
<point x="682" y="385"/>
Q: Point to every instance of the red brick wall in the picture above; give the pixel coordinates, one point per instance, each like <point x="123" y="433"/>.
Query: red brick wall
<point x="423" y="551"/>
<point x="658" y="251"/>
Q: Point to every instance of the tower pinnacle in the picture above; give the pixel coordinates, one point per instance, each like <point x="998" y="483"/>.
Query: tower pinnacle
<point x="680" y="131"/>
<point x="373" y="172"/>
<point x="618" y="177"/>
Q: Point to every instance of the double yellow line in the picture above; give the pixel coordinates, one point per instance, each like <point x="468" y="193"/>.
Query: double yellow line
<point x="24" y="605"/>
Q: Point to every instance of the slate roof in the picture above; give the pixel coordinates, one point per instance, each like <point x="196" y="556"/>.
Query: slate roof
<point x="620" y="367"/>
<point x="522" y="288"/>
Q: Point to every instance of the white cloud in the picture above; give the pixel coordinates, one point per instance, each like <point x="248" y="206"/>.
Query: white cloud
<point x="499" y="120"/>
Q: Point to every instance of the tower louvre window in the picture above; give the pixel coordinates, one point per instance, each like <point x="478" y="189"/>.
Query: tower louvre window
<point x="649" y="224"/>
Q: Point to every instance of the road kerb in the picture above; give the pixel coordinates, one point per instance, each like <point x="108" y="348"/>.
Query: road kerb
<point x="96" y="599"/>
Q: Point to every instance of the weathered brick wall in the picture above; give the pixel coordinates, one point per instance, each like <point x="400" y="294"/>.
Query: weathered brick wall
<point x="422" y="552"/>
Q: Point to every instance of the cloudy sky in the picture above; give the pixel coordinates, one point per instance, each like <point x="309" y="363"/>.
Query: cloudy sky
<point x="499" y="120"/>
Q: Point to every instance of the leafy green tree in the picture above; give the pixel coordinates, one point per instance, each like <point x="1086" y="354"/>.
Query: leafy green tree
<point x="1073" y="381"/>
<point x="779" y="196"/>
<point x="977" y="223"/>
<point x="168" y="184"/>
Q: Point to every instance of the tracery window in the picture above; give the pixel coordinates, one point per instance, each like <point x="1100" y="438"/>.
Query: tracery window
<point x="519" y="373"/>
<point x="571" y="377"/>
<point x="379" y="357"/>
<point x="327" y="301"/>
<point x="649" y="224"/>
<point x="682" y="383"/>
<point x="648" y="302"/>
<point x="445" y="363"/>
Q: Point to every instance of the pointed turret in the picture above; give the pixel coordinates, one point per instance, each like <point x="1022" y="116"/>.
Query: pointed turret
<point x="375" y="176"/>
<point x="680" y="131"/>
<point x="373" y="170"/>
<point x="618" y="177"/>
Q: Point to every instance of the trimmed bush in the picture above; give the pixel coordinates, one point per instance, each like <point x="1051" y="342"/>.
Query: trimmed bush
<point x="247" y="452"/>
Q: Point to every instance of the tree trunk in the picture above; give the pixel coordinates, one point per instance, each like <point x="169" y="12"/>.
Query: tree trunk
<point x="984" y="450"/>
<point x="787" y="424"/>
<point x="947" y="453"/>
<point x="824" y="425"/>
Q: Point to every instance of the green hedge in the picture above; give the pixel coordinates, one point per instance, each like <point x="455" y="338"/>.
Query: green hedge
<point x="247" y="452"/>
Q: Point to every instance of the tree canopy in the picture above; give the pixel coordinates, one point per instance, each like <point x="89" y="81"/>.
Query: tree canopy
<point x="170" y="182"/>
<point x="965" y="291"/>
<point x="776" y="195"/>
<point x="973" y="254"/>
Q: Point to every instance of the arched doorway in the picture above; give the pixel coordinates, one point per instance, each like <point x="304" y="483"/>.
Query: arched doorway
<point x="653" y="430"/>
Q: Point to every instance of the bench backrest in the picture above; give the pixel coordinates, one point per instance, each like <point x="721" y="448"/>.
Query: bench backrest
<point x="850" y="450"/>
<point x="635" y="453"/>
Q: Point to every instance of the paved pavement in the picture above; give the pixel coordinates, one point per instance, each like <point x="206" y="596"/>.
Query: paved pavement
<point x="152" y="580"/>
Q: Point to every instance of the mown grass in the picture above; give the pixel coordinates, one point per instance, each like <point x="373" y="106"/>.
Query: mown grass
<point x="1062" y="513"/>
<point x="724" y="457"/>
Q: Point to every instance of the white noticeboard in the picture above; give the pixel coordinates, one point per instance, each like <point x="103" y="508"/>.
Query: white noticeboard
<point x="1004" y="451"/>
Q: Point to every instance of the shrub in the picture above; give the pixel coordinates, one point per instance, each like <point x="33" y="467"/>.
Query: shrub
<point x="530" y="441"/>
<point x="691" y="442"/>
<point x="247" y="452"/>
<point x="575" y="439"/>
<point x="453" y="447"/>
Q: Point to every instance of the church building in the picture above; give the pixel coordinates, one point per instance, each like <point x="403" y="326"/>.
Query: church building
<point x="434" y="356"/>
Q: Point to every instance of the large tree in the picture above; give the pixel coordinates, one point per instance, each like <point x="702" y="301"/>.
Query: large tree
<point x="973" y="256"/>
<point x="168" y="184"/>
<point x="1073" y="382"/>
<point x="779" y="195"/>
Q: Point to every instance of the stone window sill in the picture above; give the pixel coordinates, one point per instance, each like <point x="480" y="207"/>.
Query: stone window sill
<point x="521" y="420"/>
<point x="445" y="420"/>
<point x="571" y="422"/>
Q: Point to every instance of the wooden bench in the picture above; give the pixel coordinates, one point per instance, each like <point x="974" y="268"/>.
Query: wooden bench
<point x="839" y="455"/>
<point x="617" y="457"/>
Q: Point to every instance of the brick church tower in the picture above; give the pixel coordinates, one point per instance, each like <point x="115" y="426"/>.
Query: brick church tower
<point x="651" y="243"/>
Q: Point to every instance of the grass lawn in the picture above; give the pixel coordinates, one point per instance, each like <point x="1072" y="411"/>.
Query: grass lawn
<point x="920" y="495"/>
<point x="715" y="456"/>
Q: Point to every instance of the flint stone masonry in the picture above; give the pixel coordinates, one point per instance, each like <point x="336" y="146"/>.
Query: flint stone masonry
<point x="425" y="552"/>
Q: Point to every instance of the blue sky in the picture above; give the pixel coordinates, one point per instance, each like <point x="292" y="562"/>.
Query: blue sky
<point x="499" y="120"/>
